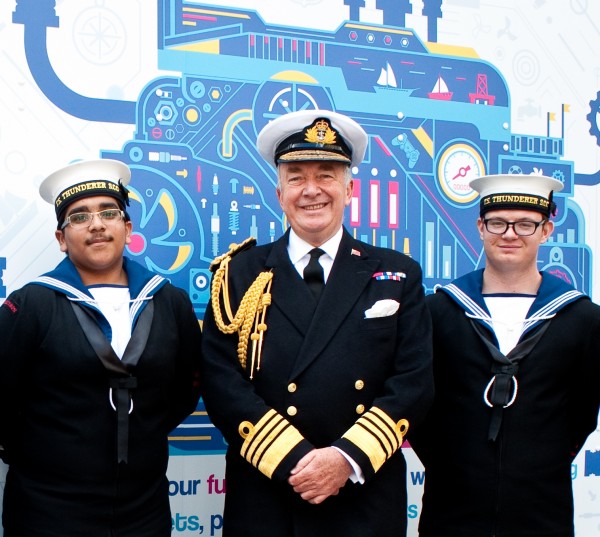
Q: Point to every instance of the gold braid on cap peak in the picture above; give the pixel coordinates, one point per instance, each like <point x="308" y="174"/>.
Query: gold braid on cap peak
<point x="251" y="311"/>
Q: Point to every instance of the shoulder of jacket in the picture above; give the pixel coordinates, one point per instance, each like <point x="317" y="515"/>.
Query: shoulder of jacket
<point x="234" y="249"/>
<point x="438" y="298"/>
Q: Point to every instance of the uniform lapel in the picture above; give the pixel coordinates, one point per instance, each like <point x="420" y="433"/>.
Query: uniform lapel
<point x="290" y="294"/>
<point x="351" y="272"/>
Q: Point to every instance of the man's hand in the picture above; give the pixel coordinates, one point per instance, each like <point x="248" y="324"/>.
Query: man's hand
<point x="320" y="474"/>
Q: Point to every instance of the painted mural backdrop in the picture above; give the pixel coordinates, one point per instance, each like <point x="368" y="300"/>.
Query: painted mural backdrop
<point x="178" y="90"/>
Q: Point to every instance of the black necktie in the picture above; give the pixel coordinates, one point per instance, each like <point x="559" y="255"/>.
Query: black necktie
<point x="313" y="273"/>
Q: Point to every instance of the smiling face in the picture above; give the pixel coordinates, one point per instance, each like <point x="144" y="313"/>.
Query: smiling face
<point x="313" y="195"/>
<point x="96" y="250"/>
<point x="509" y="251"/>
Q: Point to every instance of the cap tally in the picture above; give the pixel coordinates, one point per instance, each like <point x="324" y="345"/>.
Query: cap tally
<point x="310" y="135"/>
<point x="508" y="191"/>
<point x="102" y="177"/>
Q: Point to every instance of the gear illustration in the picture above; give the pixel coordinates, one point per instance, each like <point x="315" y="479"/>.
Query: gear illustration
<point x="594" y="117"/>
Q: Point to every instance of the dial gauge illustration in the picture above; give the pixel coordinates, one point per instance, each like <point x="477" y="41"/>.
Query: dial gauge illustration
<point x="458" y="164"/>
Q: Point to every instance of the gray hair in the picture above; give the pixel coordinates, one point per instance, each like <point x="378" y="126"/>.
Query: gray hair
<point x="347" y="176"/>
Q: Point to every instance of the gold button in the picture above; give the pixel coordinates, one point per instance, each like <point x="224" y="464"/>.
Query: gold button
<point x="360" y="409"/>
<point x="292" y="387"/>
<point x="292" y="411"/>
<point x="359" y="384"/>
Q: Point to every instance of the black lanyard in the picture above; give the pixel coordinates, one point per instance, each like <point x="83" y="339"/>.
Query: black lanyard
<point x="498" y="393"/>
<point x="121" y="380"/>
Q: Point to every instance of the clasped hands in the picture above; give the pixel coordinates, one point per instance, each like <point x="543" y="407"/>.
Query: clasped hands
<point x="319" y="474"/>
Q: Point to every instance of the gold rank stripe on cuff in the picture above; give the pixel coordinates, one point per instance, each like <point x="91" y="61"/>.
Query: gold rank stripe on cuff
<point x="268" y="442"/>
<point x="377" y="435"/>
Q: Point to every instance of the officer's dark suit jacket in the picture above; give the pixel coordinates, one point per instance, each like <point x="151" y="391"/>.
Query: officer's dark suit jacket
<point x="328" y="377"/>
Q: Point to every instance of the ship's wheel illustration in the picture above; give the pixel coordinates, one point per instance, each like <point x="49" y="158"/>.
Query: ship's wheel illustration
<point x="168" y="228"/>
<point x="99" y="35"/>
<point x="288" y="92"/>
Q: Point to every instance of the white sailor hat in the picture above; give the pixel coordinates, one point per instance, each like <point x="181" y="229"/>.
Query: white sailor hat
<point x="102" y="177"/>
<point x="508" y="191"/>
<point x="312" y="135"/>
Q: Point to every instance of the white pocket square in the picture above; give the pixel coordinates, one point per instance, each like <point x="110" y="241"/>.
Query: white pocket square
<point x="382" y="308"/>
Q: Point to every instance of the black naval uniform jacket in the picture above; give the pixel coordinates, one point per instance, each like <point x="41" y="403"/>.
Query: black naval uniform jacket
<point x="57" y="423"/>
<point x="519" y="485"/>
<point x="328" y="377"/>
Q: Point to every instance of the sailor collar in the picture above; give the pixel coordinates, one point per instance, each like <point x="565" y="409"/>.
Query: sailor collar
<point x="553" y="295"/>
<point x="66" y="280"/>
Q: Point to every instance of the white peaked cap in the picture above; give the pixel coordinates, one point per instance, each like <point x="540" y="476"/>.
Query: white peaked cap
<point x="284" y="138"/>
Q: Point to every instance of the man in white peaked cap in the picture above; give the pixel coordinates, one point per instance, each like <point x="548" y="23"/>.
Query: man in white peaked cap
<point x="98" y="362"/>
<point x="316" y="353"/>
<point x="516" y="364"/>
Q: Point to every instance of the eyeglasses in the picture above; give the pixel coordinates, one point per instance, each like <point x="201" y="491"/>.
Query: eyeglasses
<point x="79" y="220"/>
<point x="522" y="228"/>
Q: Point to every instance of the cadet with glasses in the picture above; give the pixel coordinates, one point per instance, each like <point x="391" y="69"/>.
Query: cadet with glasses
<point x="516" y="368"/>
<point x="98" y="363"/>
<point x="522" y="228"/>
<point x="78" y="220"/>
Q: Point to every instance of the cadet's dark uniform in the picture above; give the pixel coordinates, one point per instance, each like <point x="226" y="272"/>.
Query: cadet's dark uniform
<point x="520" y="484"/>
<point x="57" y="423"/>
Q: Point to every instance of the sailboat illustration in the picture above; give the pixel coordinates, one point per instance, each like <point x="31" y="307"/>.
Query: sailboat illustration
<point x="440" y="91"/>
<point x="387" y="80"/>
<point x="387" y="77"/>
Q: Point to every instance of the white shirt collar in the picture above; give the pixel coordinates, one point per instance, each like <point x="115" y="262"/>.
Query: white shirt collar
<point x="298" y="248"/>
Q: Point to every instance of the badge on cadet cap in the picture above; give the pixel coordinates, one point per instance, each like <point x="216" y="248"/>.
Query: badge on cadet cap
<point x="102" y="177"/>
<point x="508" y="191"/>
<point x="310" y="135"/>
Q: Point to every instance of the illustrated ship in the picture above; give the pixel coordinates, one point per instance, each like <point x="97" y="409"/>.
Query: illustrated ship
<point x="387" y="81"/>
<point x="199" y="184"/>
